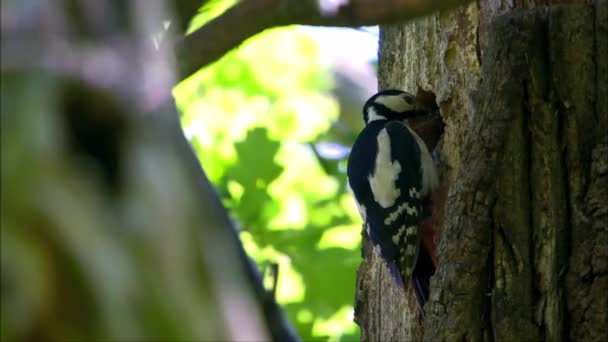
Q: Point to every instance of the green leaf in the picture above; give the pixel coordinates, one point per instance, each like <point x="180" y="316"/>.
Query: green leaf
<point x="209" y="11"/>
<point x="253" y="118"/>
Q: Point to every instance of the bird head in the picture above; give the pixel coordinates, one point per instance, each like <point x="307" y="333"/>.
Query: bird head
<point x="391" y="104"/>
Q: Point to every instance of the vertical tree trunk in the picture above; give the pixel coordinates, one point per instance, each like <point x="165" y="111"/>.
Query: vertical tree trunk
<point x="523" y="230"/>
<point x="110" y="229"/>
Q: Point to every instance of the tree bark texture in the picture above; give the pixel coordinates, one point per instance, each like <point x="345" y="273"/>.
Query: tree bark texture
<point x="523" y="229"/>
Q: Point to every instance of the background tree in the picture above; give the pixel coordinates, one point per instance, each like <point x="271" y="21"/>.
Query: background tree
<point x="110" y="230"/>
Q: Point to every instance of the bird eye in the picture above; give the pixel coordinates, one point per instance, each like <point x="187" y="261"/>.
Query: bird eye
<point x="410" y="100"/>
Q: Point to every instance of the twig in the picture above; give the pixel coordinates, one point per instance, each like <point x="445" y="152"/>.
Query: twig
<point x="249" y="17"/>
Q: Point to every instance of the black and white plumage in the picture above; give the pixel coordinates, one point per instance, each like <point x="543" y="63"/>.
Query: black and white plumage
<point x="392" y="174"/>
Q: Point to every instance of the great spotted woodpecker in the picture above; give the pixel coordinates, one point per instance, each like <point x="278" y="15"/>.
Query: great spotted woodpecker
<point x="392" y="175"/>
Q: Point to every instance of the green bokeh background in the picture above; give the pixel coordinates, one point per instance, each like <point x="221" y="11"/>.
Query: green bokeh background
<point x="254" y="118"/>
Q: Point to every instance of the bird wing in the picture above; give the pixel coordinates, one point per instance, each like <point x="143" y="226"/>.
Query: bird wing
<point x="397" y="226"/>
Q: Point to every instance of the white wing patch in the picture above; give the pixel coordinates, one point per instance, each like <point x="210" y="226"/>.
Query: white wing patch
<point x="397" y="236"/>
<point x="409" y="231"/>
<point x="414" y="193"/>
<point x="392" y="217"/>
<point x="386" y="172"/>
<point x="410" y="250"/>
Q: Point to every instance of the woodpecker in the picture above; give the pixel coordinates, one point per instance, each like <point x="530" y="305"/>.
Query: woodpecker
<point x="392" y="176"/>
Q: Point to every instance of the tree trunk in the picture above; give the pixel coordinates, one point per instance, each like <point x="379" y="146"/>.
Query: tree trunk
<point x="523" y="229"/>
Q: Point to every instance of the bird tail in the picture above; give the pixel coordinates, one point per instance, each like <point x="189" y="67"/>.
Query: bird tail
<point x="421" y="276"/>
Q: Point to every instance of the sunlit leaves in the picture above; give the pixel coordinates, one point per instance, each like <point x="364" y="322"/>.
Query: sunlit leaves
<point x="256" y="150"/>
<point x="302" y="116"/>
<point x="253" y="118"/>
<point x="341" y="236"/>
<point x="210" y="10"/>
<point x="333" y="326"/>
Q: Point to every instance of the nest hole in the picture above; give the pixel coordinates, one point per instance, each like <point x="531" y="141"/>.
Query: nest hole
<point x="429" y="127"/>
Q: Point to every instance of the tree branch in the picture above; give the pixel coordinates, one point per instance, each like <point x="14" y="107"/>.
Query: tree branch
<point x="249" y="17"/>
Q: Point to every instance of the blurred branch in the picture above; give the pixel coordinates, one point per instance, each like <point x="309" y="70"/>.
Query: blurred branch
<point x="250" y="17"/>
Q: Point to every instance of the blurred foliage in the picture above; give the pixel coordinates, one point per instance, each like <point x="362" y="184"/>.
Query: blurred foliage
<point x="254" y="118"/>
<point x="81" y="261"/>
<point x="210" y="10"/>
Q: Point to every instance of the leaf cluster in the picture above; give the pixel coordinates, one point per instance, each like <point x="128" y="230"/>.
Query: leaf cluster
<point x="254" y="119"/>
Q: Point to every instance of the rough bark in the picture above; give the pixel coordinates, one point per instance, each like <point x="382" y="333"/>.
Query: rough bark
<point x="433" y="55"/>
<point x="523" y="230"/>
<point x="583" y="95"/>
